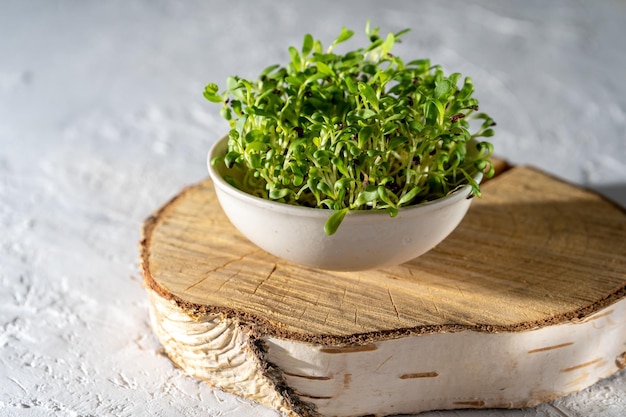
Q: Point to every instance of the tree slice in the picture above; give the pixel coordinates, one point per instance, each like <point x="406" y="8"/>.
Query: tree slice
<point x="523" y="303"/>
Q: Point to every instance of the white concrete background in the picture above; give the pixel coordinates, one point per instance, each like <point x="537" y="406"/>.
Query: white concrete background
<point x="102" y="120"/>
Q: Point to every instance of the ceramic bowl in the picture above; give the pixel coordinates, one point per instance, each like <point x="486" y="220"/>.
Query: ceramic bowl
<point x="364" y="240"/>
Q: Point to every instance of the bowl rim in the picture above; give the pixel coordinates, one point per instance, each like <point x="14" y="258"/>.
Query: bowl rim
<point x="459" y="194"/>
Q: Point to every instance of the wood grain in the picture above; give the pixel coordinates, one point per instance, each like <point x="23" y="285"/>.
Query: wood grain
<point x="533" y="251"/>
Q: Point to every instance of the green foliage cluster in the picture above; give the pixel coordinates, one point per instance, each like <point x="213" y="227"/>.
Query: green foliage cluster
<point x="361" y="130"/>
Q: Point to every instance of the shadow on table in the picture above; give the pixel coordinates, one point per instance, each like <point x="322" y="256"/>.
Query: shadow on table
<point x="614" y="192"/>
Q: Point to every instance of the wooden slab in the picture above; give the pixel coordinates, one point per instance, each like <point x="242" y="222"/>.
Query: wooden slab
<point x="533" y="255"/>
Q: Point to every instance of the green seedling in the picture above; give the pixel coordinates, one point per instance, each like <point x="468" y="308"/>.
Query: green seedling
<point x="362" y="130"/>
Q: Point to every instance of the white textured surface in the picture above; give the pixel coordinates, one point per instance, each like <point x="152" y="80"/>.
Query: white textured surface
<point x="102" y="120"/>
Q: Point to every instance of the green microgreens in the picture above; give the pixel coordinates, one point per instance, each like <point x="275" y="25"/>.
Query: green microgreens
<point x="356" y="131"/>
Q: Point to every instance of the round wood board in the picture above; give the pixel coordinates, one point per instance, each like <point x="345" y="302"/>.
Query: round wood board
<point x="534" y="253"/>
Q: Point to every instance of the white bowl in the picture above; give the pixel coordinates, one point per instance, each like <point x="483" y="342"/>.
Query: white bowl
<point x="364" y="240"/>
